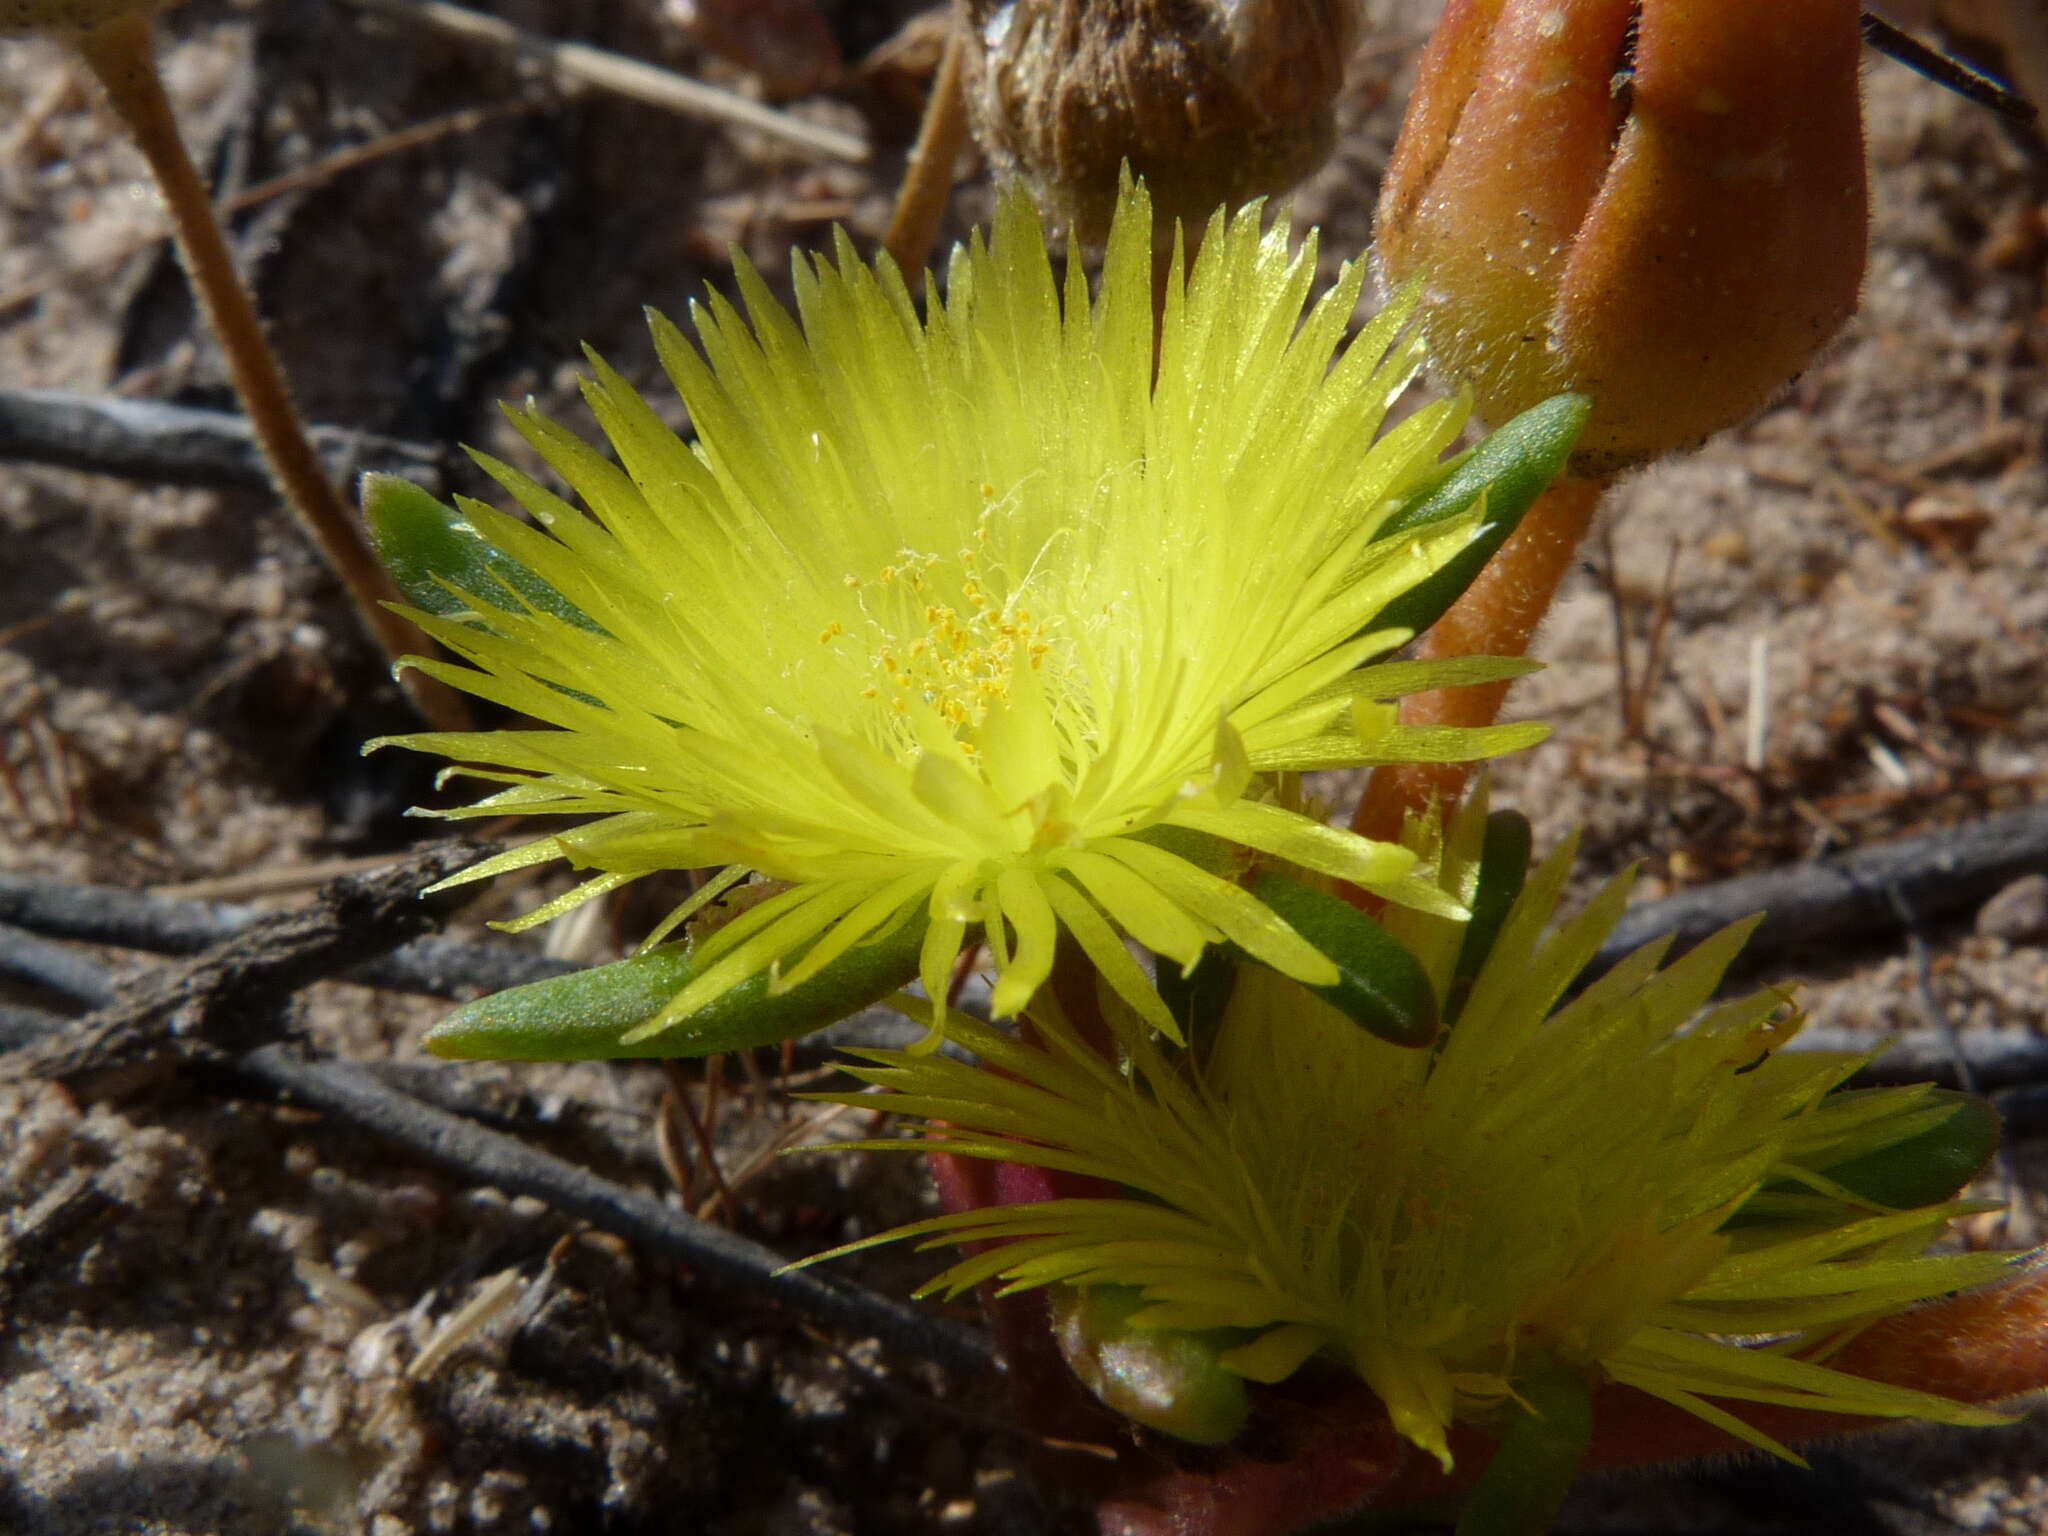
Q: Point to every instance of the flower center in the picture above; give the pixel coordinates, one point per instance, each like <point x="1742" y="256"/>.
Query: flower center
<point x="949" y="632"/>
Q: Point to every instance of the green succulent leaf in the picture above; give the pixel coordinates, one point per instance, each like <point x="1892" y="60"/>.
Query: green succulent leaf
<point x="1163" y="1378"/>
<point x="1196" y="999"/>
<point x="1923" y="1169"/>
<point x="439" y="562"/>
<point x="1380" y="985"/>
<point x="1930" y="1167"/>
<point x="1511" y="468"/>
<point x="1204" y="850"/>
<point x="581" y="1017"/>
<point x="1503" y="866"/>
<point x="1549" y="1425"/>
<point x="1406" y="507"/>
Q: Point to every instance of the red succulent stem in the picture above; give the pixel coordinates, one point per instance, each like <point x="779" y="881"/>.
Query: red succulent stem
<point x="1498" y="615"/>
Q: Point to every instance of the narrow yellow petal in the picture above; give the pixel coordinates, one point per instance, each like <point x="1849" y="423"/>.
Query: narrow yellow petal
<point x="1301" y="840"/>
<point x="798" y="915"/>
<point x="1025" y="904"/>
<point x="1231" y="910"/>
<point x="1139" y="907"/>
<point x="952" y="908"/>
<point x="568" y="901"/>
<point x="1106" y="952"/>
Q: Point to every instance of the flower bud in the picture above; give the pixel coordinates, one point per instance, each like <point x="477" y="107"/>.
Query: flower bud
<point x="1167" y="1379"/>
<point x="68" y="18"/>
<point x="1661" y="205"/>
<point x="1213" y="102"/>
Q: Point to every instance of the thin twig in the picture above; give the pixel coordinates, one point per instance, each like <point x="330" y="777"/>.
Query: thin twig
<point x="1617" y="615"/>
<point x="178" y="445"/>
<point x="1837" y="902"/>
<point x="1638" y="708"/>
<point x="766" y="1155"/>
<point x="19" y="1026"/>
<point x="1944" y="69"/>
<point x="1756" y="720"/>
<point x="355" y="1093"/>
<point x="1843" y="899"/>
<point x="487" y="1158"/>
<point x="671" y="1146"/>
<point x="1933" y="1010"/>
<point x="273" y="879"/>
<point x="2005" y="1060"/>
<point x="677" y="1102"/>
<point x="456" y="969"/>
<point x="579" y="64"/>
<point x="233" y="995"/>
<point x="80" y="977"/>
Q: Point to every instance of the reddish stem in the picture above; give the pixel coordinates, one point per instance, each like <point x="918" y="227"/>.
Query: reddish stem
<point x="1498" y="615"/>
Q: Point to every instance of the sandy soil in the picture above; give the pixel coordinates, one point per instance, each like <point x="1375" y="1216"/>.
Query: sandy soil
<point x="208" y="1301"/>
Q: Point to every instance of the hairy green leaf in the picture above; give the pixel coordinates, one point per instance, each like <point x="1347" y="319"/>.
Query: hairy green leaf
<point x="581" y="1017"/>
<point x="439" y="562"/>
<point x="1380" y="984"/>
<point x="1511" y="468"/>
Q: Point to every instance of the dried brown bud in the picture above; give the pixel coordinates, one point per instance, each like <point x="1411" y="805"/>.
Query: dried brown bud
<point x="1213" y="102"/>
<point x="68" y="17"/>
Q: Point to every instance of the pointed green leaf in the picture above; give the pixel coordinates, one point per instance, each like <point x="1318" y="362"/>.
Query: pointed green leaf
<point x="1204" y="850"/>
<point x="1196" y="1000"/>
<point x="581" y="1017"/>
<point x="1407" y="515"/>
<point x="1930" y="1167"/>
<point x="430" y="547"/>
<point x="1512" y="467"/>
<point x="1380" y="984"/>
<point x="1503" y="865"/>
<point x="1549" y="1425"/>
<point x="1924" y="1169"/>
<point x="1162" y="1378"/>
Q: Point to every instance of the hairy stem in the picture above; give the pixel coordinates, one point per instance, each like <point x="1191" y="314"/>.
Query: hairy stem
<point x="928" y="176"/>
<point x="121" y="57"/>
<point x="1498" y="615"/>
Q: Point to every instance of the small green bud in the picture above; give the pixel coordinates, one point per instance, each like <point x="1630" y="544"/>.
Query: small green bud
<point x="1159" y="1377"/>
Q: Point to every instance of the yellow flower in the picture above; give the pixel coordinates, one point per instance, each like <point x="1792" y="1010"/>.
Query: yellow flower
<point x="1614" y="1185"/>
<point x="938" y="616"/>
